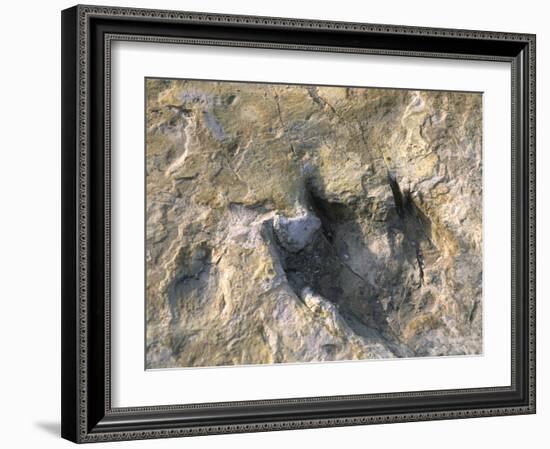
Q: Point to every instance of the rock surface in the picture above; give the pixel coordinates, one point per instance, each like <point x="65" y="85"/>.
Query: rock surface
<point x="301" y="223"/>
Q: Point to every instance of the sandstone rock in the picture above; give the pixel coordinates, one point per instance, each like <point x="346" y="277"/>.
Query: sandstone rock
<point x="302" y="223"/>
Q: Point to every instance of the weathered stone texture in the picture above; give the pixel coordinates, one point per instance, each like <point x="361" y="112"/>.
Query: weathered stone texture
<point x="301" y="223"/>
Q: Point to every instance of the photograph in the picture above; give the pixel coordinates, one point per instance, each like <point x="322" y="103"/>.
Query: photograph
<point x="291" y="223"/>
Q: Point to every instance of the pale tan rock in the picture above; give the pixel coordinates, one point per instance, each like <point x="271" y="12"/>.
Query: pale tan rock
<point x="301" y="223"/>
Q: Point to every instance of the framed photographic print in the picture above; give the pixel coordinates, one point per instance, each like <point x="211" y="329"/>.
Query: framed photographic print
<point x="276" y="224"/>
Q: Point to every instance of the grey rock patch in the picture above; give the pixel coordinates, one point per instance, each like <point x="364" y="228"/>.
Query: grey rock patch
<point x="295" y="233"/>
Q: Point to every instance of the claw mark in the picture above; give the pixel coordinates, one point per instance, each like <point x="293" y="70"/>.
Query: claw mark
<point x="413" y="223"/>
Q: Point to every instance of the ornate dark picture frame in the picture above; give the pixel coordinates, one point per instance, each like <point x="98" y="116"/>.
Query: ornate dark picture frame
<point x="87" y="413"/>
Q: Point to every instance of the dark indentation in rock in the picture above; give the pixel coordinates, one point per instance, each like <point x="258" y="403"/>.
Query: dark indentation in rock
<point x="330" y="350"/>
<point x="181" y="109"/>
<point x="325" y="266"/>
<point x="177" y="120"/>
<point x="186" y="178"/>
<point x="473" y="312"/>
<point x="260" y="207"/>
<point x="397" y="195"/>
<point x="232" y="149"/>
<point x="312" y="92"/>
<point x="329" y="212"/>
<point x="322" y="265"/>
<point x="416" y="226"/>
